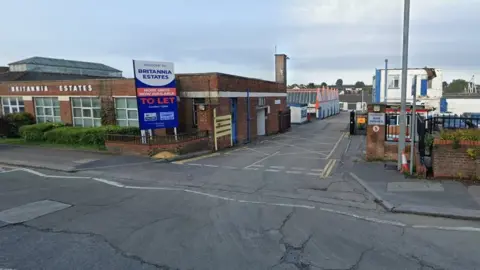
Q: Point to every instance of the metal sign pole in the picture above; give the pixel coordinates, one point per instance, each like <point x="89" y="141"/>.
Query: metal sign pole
<point x="385" y="90"/>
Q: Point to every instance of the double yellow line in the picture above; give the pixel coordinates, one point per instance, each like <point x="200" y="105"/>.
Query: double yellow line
<point x="328" y="168"/>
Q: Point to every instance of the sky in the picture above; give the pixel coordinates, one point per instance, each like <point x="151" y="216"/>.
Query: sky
<point x="324" y="39"/>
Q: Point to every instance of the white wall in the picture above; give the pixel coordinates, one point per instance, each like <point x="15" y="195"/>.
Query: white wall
<point x="393" y="95"/>
<point x="459" y="106"/>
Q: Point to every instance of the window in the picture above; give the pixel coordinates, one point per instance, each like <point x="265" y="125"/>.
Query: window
<point x="126" y="112"/>
<point x="261" y="101"/>
<point x="196" y="102"/>
<point x="86" y="112"/>
<point x="47" y="109"/>
<point x="394" y="82"/>
<point x="12" y="105"/>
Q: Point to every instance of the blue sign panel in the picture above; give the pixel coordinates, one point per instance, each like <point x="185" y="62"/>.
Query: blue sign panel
<point x="156" y="94"/>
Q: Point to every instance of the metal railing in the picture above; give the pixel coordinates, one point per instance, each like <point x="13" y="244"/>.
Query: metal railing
<point x="452" y="122"/>
<point x="156" y="140"/>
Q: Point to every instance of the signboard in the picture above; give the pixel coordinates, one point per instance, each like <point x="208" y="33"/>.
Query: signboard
<point x="377" y="119"/>
<point x="156" y="94"/>
<point x="376" y="128"/>
<point x="361" y="120"/>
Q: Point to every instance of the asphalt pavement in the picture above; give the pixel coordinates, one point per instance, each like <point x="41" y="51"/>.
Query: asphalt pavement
<point x="50" y="221"/>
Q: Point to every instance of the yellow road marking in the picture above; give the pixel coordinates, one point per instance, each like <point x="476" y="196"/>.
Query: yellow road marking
<point x="196" y="158"/>
<point x="328" y="168"/>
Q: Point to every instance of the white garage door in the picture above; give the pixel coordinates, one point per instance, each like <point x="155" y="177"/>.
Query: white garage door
<point x="261" y="122"/>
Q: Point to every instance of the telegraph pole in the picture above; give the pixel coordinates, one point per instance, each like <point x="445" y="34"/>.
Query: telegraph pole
<point x="403" y="97"/>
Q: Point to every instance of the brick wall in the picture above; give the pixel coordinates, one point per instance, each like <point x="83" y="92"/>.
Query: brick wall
<point x="451" y="162"/>
<point x="147" y="150"/>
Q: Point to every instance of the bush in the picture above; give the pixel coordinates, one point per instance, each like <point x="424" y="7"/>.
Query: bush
<point x="36" y="132"/>
<point x="14" y="122"/>
<point x="461" y="135"/>
<point x="86" y="136"/>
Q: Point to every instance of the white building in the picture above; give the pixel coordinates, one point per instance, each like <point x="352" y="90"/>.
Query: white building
<point x="429" y="92"/>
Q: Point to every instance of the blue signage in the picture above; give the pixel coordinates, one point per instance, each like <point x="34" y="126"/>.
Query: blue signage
<point x="156" y="95"/>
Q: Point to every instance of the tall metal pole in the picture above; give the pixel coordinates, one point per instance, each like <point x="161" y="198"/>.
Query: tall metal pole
<point x="413" y="124"/>
<point x="403" y="96"/>
<point x="385" y="89"/>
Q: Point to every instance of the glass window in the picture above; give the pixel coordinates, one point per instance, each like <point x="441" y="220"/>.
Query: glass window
<point x="393" y="81"/>
<point x="12" y="105"/>
<point x="86" y="112"/>
<point x="47" y="109"/>
<point x="126" y="112"/>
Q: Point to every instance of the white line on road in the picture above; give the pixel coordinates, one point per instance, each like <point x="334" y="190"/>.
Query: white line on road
<point x="211" y="166"/>
<point x="260" y="166"/>
<point x="272" y="170"/>
<point x="250" y="169"/>
<point x="278" y="167"/>
<point x="229" y="167"/>
<point x="309" y="207"/>
<point x="263" y="159"/>
<point x="316" y="170"/>
<point x="294" y="172"/>
<point x="298" y="168"/>
<point x="194" y="164"/>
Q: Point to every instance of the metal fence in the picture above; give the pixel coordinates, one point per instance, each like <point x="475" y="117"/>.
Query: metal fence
<point x="155" y="139"/>
<point x="449" y="122"/>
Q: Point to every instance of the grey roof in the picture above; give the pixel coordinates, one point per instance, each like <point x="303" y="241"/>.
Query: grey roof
<point x="65" y="63"/>
<point x="301" y="97"/>
<point x="43" y="76"/>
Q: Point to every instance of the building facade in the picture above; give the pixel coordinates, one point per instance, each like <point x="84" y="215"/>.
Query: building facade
<point x="96" y="102"/>
<point x="429" y="91"/>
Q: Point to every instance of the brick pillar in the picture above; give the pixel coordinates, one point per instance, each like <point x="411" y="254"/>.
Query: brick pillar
<point x="65" y="110"/>
<point x="376" y="132"/>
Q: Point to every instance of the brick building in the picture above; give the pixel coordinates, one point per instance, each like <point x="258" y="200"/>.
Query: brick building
<point x="99" y="100"/>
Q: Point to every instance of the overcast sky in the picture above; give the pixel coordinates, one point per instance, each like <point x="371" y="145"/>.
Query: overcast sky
<point x="325" y="39"/>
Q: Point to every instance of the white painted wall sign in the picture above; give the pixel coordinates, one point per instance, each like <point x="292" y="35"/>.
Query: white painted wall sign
<point x="377" y="119"/>
<point x="376" y="128"/>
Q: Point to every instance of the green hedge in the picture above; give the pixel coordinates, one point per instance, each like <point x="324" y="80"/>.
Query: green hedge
<point x="35" y="132"/>
<point x="14" y="121"/>
<point x="94" y="136"/>
<point x="461" y="135"/>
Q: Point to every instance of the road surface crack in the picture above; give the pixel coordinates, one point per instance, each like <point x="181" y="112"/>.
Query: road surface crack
<point x="425" y="265"/>
<point x="97" y="236"/>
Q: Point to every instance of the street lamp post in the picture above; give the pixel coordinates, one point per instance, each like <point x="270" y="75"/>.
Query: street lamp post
<point x="403" y="96"/>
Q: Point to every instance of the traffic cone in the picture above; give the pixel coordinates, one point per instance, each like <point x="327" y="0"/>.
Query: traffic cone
<point x="405" y="167"/>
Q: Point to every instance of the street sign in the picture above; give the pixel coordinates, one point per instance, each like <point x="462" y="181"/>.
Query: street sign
<point x="156" y="94"/>
<point x="376" y="128"/>
<point x="377" y="119"/>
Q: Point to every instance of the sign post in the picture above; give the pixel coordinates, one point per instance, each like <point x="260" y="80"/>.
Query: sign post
<point x="156" y="95"/>
<point x="413" y="123"/>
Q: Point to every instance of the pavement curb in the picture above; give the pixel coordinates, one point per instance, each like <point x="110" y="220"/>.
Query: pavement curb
<point x="378" y="199"/>
<point x="27" y="164"/>
<point x="452" y="213"/>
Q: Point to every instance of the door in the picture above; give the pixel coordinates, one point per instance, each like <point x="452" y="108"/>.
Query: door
<point x="261" y="122"/>
<point x="233" y="110"/>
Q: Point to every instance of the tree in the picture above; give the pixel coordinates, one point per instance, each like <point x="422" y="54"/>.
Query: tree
<point x="456" y="86"/>
<point x="324" y="84"/>
<point x="293" y="85"/>
<point x="311" y="85"/>
<point x="444" y="85"/>
<point x="339" y="83"/>
<point x="359" y="84"/>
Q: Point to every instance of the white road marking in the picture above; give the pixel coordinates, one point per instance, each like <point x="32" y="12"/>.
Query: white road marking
<point x="298" y="169"/>
<point x="336" y="145"/>
<point x="294" y="172"/>
<point x="309" y="207"/>
<point x="251" y="169"/>
<point x="211" y="166"/>
<point x="316" y="170"/>
<point x="263" y="159"/>
<point x="6" y="171"/>
<point x="194" y="164"/>
<point x="260" y="166"/>
<point x="272" y="170"/>
<point x="229" y="167"/>
<point x="277" y="167"/>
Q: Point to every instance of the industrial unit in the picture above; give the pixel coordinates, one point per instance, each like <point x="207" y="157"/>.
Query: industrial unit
<point x="89" y="94"/>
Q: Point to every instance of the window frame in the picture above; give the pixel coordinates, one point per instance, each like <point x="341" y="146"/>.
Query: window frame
<point x="20" y="108"/>
<point x="91" y="109"/>
<point x="262" y="101"/>
<point x="391" y="81"/>
<point x="128" y="120"/>
<point x="56" y="118"/>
